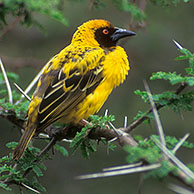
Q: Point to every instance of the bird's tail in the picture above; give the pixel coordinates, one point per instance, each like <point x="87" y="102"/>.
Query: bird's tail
<point x="23" y="143"/>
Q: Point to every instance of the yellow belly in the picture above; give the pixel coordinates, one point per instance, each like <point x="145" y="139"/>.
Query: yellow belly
<point x="115" y="69"/>
<point x="90" y="105"/>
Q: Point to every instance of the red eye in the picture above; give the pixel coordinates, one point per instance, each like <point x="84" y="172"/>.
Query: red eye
<point x="105" y="31"/>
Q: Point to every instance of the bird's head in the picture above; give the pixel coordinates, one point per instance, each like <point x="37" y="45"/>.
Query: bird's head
<point x="99" y="33"/>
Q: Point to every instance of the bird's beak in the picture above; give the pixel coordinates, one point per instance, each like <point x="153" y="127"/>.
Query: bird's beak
<point x="121" y="33"/>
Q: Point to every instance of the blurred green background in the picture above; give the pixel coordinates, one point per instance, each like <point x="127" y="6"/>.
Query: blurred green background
<point x="25" y="51"/>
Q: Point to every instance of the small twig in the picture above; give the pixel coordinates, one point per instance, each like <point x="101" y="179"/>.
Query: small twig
<point x="140" y="183"/>
<point x="47" y="148"/>
<point x="91" y="4"/>
<point x="20" y="189"/>
<point x="7" y="83"/>
<point x="18" y="87"/>
<point x="120" y="172"/>
<point x="12" y="25"/>
<point x="179" y="144"/>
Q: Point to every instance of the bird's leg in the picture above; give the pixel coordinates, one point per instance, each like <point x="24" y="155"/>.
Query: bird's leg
<point x="107" y="126"/>
<point x="83" y="123"/>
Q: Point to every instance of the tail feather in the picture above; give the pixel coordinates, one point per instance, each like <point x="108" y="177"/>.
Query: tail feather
<point x="23" y="143"/>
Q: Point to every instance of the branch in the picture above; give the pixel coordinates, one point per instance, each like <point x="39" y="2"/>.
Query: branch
<point x="136" y="123"/>
<point x="121" y="135"/>
<point x="12" y="117"/>
<point x="12" y="25"/>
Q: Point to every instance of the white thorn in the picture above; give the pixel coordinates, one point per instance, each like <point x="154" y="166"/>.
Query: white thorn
<point x="42" y="135"/>
<point x="120" y="172"/>
<point x="112" y="140"/>
<point x="125" y="122"/>
<point x="177" y="45"/>
<point x="127" y="166"/>
<point x="178" y="189"/>
<point x="30" y="188"/>
<point x="156" y="116"/>
<point x="106" y="113"/>
<point x="18" y="87"/>
<point x="115" y="130"/>
<point x="112" y="125"/>
<point x="179" y="144"/>
<point x="7" y="83"/>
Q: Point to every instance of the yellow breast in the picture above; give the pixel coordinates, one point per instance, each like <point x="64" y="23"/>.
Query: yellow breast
<point x="115" y="69"/>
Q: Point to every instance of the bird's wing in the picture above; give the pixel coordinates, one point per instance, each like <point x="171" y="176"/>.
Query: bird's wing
<point x="68" y="89"/>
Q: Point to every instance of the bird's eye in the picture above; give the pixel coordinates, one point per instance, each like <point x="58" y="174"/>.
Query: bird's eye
<point x="105" y="31"/>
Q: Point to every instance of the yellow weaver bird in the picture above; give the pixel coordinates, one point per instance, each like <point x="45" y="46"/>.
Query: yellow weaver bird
<point x="77" y="81"/>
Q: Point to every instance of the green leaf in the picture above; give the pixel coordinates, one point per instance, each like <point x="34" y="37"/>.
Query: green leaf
<point x="191" y="62"/>
<point x="148" y="151"/>
<point x="186" y="52"/>
<point x="4" y="159"/>
<point x="4" y="186"/>
<point x="98" y="121"/>
<point x="160" y="172"/>
<point x="36" y="184"/>
<point x="150" y="154"/>
<point x="29" y="8"/>
<point x="79" y="137"/>
<point x="84" y="150"/>
<point x="126" y="6"/>
<point x="20" y="109"/>
<point x="111" y="146"/>
<point x="143" y="95"/>
<point x="12" y="145"/>
<point x="10" y="75"/>
<point x="61" y="149"/>
<point x="37" y="170"/>
<point x="142" y="114"/>
<point x="172" y="77"/>
<point x="182" y="57"/>
<point x="190" y="71"/>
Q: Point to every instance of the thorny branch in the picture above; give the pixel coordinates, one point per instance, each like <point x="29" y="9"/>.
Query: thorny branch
<point x="137" y="122"/>
<point x="123" y="139"/>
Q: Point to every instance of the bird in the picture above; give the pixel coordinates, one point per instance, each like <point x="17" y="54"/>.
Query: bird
<point x="77" y="81"/>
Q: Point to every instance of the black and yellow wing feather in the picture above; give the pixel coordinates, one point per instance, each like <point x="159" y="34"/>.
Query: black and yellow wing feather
<point x="64" y="94"/>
